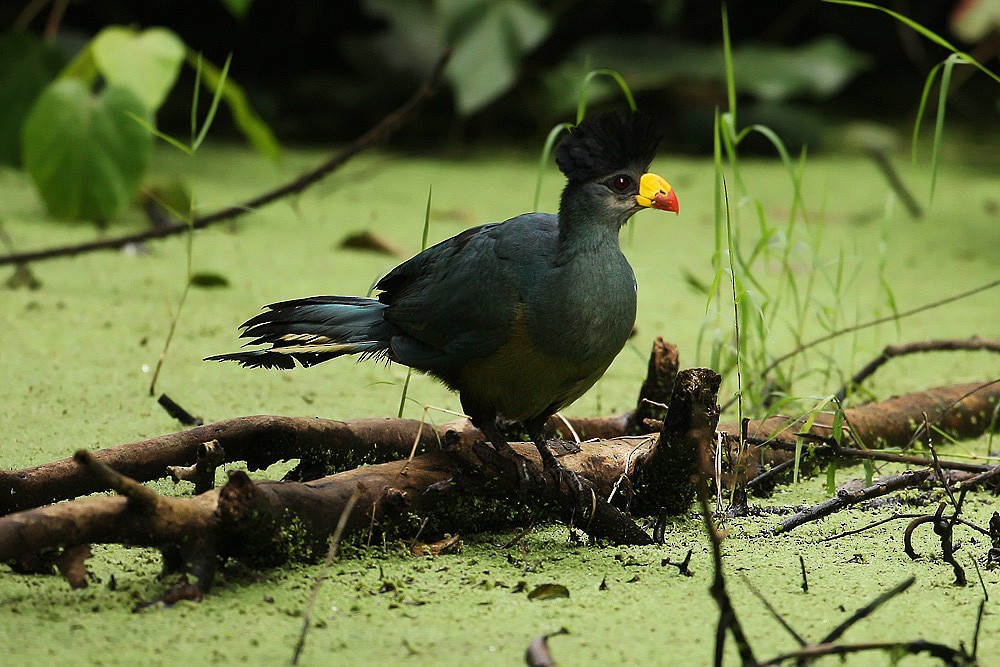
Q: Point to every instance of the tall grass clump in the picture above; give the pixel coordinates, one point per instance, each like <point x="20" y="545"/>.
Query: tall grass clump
<point x="772" y="272"/>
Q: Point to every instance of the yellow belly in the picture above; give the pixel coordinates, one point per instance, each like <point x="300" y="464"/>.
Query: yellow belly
<point x="519" y="381"/>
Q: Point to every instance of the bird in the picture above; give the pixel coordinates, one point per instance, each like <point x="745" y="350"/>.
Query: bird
<point x="519" y="317"/>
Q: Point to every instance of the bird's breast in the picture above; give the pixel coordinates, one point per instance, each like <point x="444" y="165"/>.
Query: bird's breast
<point x="521" y="380"/>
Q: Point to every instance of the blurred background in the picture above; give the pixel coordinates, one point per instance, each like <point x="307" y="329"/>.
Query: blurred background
<point x="324" y="71"/>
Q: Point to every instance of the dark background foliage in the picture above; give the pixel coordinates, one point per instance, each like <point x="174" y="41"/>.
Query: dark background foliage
<point x="320" y="70"/>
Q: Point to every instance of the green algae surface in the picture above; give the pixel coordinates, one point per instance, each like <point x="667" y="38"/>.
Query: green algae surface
<point x="78" y="353"/>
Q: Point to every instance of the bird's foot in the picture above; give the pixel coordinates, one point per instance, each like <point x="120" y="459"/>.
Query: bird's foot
<point x="499" y="455"/>
<point x="551" y="465"/>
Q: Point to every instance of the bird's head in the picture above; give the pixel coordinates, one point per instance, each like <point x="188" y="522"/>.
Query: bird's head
<point x="606" y="161"/>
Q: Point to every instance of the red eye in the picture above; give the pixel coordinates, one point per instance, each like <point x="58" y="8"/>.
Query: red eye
<point x="620" y="182"/>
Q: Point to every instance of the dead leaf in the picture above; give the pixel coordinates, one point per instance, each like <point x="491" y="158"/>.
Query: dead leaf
<point x="369" y="240"/>
<point x="538" y="654"/>
<point x="549" y="592"/>
<point x="449" y="545"/>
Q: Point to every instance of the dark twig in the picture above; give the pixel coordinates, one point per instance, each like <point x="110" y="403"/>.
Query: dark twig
<point x="682" y="566"/>
<point x="946" y="654"/>
<point x="945" y="410"/>
<point x="979" y="623"/>
<point x="874" y="524"/>
<point x="379" y="133"/>
<point x="331" y="555"/>
<point x="843" y="499"/>
<point x="981" y="478"/>
<point x="827" y="446"/>
<point x="771" y="472"/>
<point x="866" y="611"/>
<point x="109" y="478"/>
<point x="937" y="465"/>
<point x="728" y="620"/>
<point x="871" y="323"/>
<point x="774" y="612"/>
<point x="892" y="351"/>
<point x="805" y="579"/>
<point x="177" y="412"/>
<point x="881" y="160"/>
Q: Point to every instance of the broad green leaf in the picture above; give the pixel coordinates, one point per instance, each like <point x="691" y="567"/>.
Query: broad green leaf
<point x="146" y="62"/>
<point x="489" y="39"/>
<point x="253" y="128"/>
<point x="27" y="65"/>
<point x="83" y="67"/>
<point x="818" y="69"/>
<point x="237" y="8"/>
<point x="84" y="152"/>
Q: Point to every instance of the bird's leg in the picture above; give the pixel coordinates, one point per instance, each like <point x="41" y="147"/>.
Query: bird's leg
<point x="536" y="430"/>
<point x="488" y="426"/>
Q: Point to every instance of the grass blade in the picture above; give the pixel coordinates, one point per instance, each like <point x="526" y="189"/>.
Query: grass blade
<point x="423" y="246"/>
<point x="543" y="161"/>
<point x="924" y="96"/>
<point x="727" y="54"/>
<point x="581" y="105"/>
<point x="220" y="86"/>
<point x="926" y="32"/>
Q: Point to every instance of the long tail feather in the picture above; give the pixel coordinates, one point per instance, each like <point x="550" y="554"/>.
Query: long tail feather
<point x="313" y="330"/>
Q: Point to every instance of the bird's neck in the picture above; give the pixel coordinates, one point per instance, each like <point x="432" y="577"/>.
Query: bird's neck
<point x="585" y="226"/>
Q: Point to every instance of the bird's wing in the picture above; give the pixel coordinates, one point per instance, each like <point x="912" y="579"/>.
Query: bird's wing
<point x="456" y="300"/>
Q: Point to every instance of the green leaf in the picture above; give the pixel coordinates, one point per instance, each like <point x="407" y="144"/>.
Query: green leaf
<point x="648" y="62"/>
<point x="237" y="8"/>
<point x="209" y="280"/>
<point x="146" y="62"/>
<point x="818" y="69"/>
<point x="489" y="39"/>
<point x="83" y="67"/>
<point x="27" y="65"/>
<point x="83" y="151"/>
<point x="254" y="129"/>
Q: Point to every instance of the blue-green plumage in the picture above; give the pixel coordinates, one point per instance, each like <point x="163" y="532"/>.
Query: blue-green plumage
<point x="519" y="317"/>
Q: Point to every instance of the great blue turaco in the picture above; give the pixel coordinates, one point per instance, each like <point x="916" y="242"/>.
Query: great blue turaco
<point x="519" y="317"/>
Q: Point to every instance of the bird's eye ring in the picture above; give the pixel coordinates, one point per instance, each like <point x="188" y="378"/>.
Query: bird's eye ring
<point x="621" y="182"/>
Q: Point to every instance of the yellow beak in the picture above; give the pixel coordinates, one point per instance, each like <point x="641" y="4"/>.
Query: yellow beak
<point x="655" y="192"/>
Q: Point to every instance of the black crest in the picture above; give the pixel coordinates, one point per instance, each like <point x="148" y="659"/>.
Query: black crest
<point x="605" y="144"/>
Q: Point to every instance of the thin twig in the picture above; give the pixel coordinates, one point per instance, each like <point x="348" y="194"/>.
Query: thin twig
<point x="117" y="482"/>
<point x="906" y="480"/>
<point x="871" y="323"/>
<point x="945" y="653"/>
<point x="827" y="446"/>
<point x="892" y="177"/>
<point x="380" y="132"/>
<point x="917" y="432"/>
<point x="973" y="344"/>
<point x="728" y="620"/>
<point x="774" y="612"/>
<point x="331" y="556"/>
<point x="866" y="611"/>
